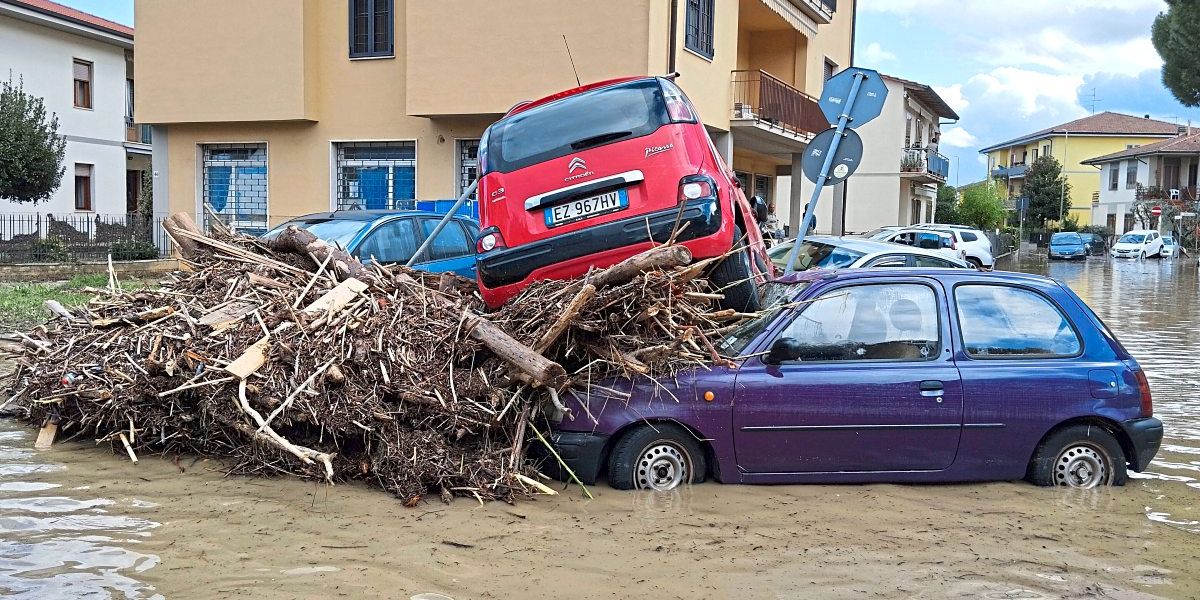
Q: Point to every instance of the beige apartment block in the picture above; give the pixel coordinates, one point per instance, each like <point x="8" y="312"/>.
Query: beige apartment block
<point x="301" y="106"/>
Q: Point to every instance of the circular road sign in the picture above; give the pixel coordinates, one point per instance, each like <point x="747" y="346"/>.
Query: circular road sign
<point x="845" y="160"/>
<point x="867" y="104"/>
<point x="1156" y="211"/>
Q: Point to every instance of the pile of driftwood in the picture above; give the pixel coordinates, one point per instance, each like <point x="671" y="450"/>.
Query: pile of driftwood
<point x="296" y="358"/>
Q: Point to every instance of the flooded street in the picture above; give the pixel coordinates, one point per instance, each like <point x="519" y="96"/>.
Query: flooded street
<point x="80" y="523"/>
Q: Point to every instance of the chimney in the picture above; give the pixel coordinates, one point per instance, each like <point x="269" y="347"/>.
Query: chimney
<point x="1146" y="117"/>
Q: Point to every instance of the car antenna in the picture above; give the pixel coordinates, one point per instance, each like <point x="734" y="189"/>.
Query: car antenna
<point x="572" y="59"/>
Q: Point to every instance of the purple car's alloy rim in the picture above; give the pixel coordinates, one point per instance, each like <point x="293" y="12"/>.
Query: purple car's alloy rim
<point x="1080" y="466"/>
<point x="662" y="466"/>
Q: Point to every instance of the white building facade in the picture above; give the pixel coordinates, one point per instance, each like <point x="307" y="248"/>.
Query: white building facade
<point x="82" y="68"/>
<point x="1162" y="174"/>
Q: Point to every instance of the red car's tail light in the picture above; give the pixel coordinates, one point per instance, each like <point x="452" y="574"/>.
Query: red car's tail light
<point x="695" y="187"/>
<point x="489" y="239"/>
<point x="1144" y="389"/>
<point x="677" y="106"/>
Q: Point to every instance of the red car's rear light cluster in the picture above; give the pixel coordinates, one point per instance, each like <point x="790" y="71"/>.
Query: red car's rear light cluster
<point x="489" y="239"/>
<point x="695" y="187"/>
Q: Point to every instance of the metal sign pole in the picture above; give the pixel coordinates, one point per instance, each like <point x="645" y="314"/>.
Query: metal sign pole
<point x="442" y="224"/>
<point x="811" y="207"/>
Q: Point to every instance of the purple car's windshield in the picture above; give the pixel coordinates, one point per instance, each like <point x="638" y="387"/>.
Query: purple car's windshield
<point x="776" y="296"/>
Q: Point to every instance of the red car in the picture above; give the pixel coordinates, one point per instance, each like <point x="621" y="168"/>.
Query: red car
<point x="589" y="176"/>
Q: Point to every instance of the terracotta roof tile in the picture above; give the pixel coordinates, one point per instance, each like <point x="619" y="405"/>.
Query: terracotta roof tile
<point x="1184" y="144"/>
<point x="78" y="16"/>
<point x="1100" y="123"/>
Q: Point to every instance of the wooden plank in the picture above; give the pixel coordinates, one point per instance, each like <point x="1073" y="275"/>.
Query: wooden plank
<point x="46" y="435"/>
<point x="228" y="314"/>
<point x="337" y="298"/>
<point x="254" y="357"/>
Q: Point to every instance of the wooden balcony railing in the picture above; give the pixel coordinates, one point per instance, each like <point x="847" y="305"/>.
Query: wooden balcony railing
<point x="760" y="96"/>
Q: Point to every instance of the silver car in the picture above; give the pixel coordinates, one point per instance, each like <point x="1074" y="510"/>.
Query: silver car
<point x="832" y="252"/>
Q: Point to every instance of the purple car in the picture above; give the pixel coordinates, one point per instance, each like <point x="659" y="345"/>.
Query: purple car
<point x="885" y="375"/>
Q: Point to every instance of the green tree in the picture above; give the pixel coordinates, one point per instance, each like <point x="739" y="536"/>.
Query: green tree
<point x="982" y="206"/>
<point x="947" y="205"/>
<point x="1048" y="191"/>
<point x="31" y="151"/>
<point x="1176" y="36"/>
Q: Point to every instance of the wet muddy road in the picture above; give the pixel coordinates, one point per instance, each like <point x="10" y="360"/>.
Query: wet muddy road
<point x="76" y="522"/>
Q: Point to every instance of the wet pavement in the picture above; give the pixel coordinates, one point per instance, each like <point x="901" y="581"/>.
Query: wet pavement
<point x="80" y="523"/>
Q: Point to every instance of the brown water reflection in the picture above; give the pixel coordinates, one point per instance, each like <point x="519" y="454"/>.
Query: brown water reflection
<point x="75" y="522"/>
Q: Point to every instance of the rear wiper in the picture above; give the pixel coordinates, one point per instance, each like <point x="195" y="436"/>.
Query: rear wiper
<point x="596" y="140"/>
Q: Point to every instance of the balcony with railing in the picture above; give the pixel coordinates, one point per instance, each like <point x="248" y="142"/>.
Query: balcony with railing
<point x="820" y="11"/>
<point x="764" y="101"/>
<point x="137" y="133"/>
<point x="1013" y="171"/>
<point x="924" y="165"/>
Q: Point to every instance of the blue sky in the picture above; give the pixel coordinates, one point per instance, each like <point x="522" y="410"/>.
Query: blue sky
<point x="1013" y="67"/>
<point x="1007" y="67"/>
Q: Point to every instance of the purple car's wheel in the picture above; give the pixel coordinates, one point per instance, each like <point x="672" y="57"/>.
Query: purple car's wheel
<point x="1081" y="466"/>
<point x="659" y="457"/>
<point x="662" y="467"/>
<point x="1080" y="456"/>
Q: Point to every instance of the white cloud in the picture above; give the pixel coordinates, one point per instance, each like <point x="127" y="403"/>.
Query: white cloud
<point x="958" y="138"/>
<point x="875" y="55"/>
<point x="1024" y="93"/>
<point x="953" y="95"/>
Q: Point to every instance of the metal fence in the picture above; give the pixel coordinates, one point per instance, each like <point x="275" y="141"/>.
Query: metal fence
<point x="760" y="96"/>
<point x="49" y="238"/>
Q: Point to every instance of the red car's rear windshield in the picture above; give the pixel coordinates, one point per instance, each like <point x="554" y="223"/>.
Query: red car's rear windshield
<point x="594" y="118"/>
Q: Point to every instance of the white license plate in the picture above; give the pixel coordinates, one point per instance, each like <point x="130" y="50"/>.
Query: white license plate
<point x="586" y="207"/>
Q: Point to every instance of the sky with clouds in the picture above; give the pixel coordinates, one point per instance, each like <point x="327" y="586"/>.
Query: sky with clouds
<point x="1013" y="67"/>
<point x="1007" y="67"/>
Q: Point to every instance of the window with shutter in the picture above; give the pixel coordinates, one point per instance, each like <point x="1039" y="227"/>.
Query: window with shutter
<point x="83" y="186"/>
<point x="83" y="83"/>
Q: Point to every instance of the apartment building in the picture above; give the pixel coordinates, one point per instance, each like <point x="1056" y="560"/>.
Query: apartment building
<point x="901" y="167"/>
<point x="1071" y="144"/>
<point x="1162" y="173"/>
<point x="82" y="67"/>
<point x="299" y="106"/>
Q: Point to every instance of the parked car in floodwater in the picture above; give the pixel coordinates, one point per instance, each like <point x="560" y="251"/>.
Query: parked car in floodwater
<point x="1169" y="248"/>
<point x="393" y="236"/>
<point x="884" y="375"/>
<point x="927" y="239"/>
<point x="831" y="252"/>
<point x="1067" y="245"/>
<point x="975" y="244"/>
<point x="1143" y="243"/>
<point x="1095" y="243"/>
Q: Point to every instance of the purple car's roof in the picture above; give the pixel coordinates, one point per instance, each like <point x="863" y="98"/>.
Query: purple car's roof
<point x="812" y="275"/>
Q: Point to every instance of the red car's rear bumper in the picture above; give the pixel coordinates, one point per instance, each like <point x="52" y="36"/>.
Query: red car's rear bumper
<point x="504" y="273"/>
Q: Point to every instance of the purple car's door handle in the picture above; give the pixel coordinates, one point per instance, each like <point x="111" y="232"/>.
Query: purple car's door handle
<point x="932" y="388"/>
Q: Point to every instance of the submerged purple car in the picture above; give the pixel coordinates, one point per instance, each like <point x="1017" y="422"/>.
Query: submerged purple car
<point x="885" y="375"/>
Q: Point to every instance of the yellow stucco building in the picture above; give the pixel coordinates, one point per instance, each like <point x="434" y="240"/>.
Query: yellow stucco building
<point x="1071" y="144"/>
<point x="300" y="106"/>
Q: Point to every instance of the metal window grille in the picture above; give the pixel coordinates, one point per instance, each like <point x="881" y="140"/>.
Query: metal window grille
<point x="371" y="28"/>
<point x="468" y="165"/>
<point x="376" y="175"/>
<point x="234" y="182"/>
<point x="762" y="187"/>
<point x="698" y="27"/>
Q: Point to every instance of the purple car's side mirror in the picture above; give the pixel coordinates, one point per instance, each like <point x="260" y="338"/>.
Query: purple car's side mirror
<point x="783" y="350"/>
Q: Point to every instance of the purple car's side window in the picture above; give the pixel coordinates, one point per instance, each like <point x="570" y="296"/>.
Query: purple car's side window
<point x="1000" y="321"/>
<point x="869" y="322"/>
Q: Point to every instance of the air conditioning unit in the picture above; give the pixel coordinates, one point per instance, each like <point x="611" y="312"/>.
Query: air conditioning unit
<point x="741" y="110"/>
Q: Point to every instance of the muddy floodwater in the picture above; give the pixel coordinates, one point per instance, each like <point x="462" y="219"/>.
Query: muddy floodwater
<point x="76" y="522"/>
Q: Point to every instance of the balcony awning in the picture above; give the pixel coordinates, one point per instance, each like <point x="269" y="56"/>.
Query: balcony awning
<point x="791" y="14"/>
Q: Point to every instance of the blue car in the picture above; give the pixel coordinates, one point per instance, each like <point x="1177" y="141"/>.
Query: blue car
<point x="1067" y="245"/>
<point x="392" y="236"/>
